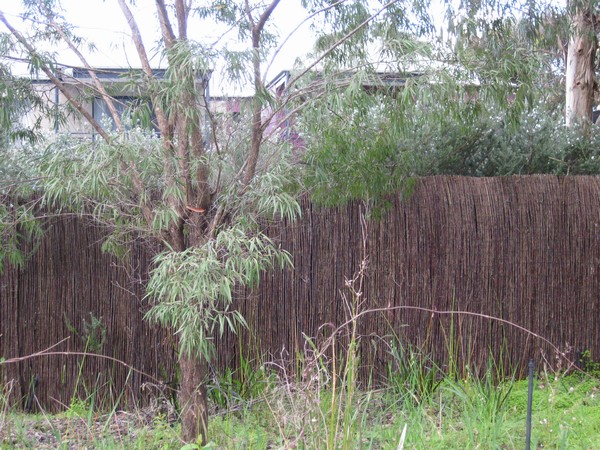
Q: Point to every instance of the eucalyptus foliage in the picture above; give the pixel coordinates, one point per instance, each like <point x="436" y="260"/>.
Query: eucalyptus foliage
<point x="202" y="185"/>
<point x="19" y="226"/>
<point x="16" y="100"/>
<point x="20" y="222"/>
<point x="369" y="149"/>
<point x="194" y="290"/>
<point x="491" y="146"/>
<point x="481" y="97"/>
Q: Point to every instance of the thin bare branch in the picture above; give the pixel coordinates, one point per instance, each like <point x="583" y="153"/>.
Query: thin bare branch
<point x="136" y="36"/>
<point x="249" y="14"/>
<point x="216" y="222"/>
<point x="56" y="81"/>
<point x="86" y="354"/>
<point x="306" y="19"/>
<point x="163" y="122"/>
<point x="258" y="126"/>
<point x="165" y="24"/>
<point x="265" y="16"/>
<point x="433" y="312"/>
<point x="182" y="12"/>
<point x="340" y="42"/>
<point x="99" y="86"/>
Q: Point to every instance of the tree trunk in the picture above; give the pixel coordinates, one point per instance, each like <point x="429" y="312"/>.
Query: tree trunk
<point x="193" y="371"/>
<point x="580" y="78"/>
<point x="192" y="400"/>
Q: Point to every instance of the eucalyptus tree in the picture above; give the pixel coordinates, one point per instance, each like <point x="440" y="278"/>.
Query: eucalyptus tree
<point x="201" y="190"/>
<point x="177" y="185"/>
<point x="195" y="184"/>
<point x="563" y="34"/>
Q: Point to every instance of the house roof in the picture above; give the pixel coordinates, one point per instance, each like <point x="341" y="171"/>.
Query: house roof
<point x="114" y="74"/>
<point x="375" y="80"/>
<point x="111" y="73"/>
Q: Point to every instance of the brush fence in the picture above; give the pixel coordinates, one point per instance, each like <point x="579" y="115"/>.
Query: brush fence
<point x="522" y="249"/>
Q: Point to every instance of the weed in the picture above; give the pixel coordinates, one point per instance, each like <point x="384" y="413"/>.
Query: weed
<point x="233" y="387"/>
<point x="588" y="365"/>
<point x="412" y="376"/>
<point x="93" y="333"/>
<point x="78" y="409"/>
<point x="483" y="407"/>
<point x="306" y="412"/>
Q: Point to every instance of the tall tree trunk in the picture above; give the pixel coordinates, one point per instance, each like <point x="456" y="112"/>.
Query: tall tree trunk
<point x="580" y="77"/>
<point x="192" y="400"/>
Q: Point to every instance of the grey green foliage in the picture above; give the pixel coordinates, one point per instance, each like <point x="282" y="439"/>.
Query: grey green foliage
<point x="20" y="224"/>
<point x="17" y="98"/>
<point x="19" y="230"/>
<point x="540" y="144"/>
<point x="369" y="148"/>
<point x="141" y="184"/>
<point x="483" y="98"/>
<point x="92" y="333"/>
<point x="194" y="290"/>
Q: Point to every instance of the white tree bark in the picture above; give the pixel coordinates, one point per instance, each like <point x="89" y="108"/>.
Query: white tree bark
<point x="580" y="77"/>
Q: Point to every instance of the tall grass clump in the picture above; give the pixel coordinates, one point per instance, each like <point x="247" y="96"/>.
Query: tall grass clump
<point x="249" y="381"/>
<point x="482" y="403"/>
<point x="321" y="405"/>
<point x="412" y="377"/>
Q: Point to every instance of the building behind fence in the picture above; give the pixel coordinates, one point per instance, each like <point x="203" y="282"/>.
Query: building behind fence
<point x="522" y="249"/>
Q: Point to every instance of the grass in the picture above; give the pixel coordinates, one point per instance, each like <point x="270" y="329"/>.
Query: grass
<point x="321" y="405"/>
<point x="462" y="414"/>
<point x="311" y="413"/>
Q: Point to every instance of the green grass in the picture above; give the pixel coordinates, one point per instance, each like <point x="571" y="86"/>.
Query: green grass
<point x="459" y="414"/>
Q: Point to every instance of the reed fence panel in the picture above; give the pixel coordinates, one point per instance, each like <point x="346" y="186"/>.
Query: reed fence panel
<point x="524" y="249"/>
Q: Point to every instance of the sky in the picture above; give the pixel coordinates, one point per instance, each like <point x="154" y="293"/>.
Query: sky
<point x="101" y="22"/>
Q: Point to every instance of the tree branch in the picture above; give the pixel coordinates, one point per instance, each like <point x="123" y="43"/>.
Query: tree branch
<point x="56" y="81"/>
<point x="306" y="19"/>
<point x="265" y="15"/>
<point x="257" y="124"/>
<point x="99" y="86"/>
<point x="136" y="36"/>
<point x="163" y="122"/>
<point x="135" y="177"/>
<point x="340" y="42"/>
<point x="249" y="14"/>
<point x="165" y="24"/>
<point x="182" y="12"/>
<point x="267" y="120"/>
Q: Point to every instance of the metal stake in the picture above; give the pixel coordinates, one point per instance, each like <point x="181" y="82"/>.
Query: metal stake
<point x="529" y="404"/>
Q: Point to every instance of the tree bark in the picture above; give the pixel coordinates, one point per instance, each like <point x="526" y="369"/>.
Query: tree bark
<point x="192" y="400"/>
<point x="580" y="76"/>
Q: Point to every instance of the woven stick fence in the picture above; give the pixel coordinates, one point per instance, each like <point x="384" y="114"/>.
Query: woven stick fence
<point x="522" y="249"/>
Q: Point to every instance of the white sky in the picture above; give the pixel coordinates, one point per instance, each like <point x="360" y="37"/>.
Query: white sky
<point x="101" y="22"/>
